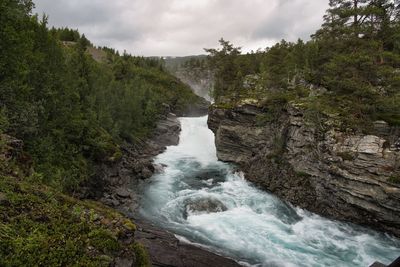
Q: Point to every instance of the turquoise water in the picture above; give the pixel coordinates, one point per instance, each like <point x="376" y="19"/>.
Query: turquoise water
<point x="244" y="223"/>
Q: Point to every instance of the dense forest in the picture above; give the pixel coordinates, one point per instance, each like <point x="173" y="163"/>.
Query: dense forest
<point x="71" y="103"/>
<point x="350" y="69"/>
<point x="67" y="106"/>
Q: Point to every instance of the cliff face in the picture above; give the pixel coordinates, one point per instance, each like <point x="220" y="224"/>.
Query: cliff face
<point x="344" y="176"/>
<point x="116" y="184"/>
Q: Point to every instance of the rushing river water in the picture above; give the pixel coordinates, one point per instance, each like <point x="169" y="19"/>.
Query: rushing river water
<point x="205" y="202"/>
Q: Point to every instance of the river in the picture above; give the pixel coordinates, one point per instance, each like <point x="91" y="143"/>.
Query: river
<point x="205" y="202"/>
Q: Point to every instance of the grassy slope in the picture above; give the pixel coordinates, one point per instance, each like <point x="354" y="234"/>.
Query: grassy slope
<point x="39" y="226"/>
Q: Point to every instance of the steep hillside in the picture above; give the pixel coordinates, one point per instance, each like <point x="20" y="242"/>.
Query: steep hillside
<point x="69" y="113"/>
<point x="40" y="226"/>
<point x="72" y="104"/>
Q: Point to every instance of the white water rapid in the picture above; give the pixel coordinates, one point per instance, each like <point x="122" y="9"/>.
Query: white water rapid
<point x="205" y="202"/>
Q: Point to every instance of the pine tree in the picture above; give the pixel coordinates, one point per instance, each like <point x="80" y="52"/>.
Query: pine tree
<point x="223" y="62"/>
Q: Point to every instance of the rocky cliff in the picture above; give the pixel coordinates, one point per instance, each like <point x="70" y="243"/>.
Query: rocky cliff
<point x="341" y="175"/>
<point x="116" y="184"/>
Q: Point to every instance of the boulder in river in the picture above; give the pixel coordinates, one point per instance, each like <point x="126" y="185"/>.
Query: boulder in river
<point x="203" y="205"/>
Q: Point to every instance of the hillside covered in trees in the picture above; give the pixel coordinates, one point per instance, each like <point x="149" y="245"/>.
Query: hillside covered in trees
<point x="70" y="110"/>
<point x="350" y="68"/>
<point x="67" y="106"/>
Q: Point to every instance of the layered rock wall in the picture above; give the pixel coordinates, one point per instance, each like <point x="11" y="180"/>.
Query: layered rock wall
<point x="345" y="176"/>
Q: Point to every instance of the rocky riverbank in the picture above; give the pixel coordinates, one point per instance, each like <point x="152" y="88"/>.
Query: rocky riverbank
<point x="117" y="185"/>
<point x="342" y="175"/>
<point x="167" y="250"/>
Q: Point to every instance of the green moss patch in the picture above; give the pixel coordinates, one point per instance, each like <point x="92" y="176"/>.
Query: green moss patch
<point x="347" y="156"/>
<point x="142" y="257"/>
<point x="394" y="179"/>
<point x="42" y="227"/>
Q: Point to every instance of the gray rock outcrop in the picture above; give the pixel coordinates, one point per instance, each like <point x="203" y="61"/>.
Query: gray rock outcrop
<point x="204" y="205"/>
<point x="166" y="250"/>
<point x="116" y="184"/>
<point x="346" y="176"/>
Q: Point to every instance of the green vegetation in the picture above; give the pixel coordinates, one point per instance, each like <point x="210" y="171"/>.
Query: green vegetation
<point x="142" y="257"/>
<point x="348" y="71"/>
<point x="303" y="174"/>
<point x="347" y="155"/>
<point x="71" y="110"/>
<point x="278" y="149"/>
<point x="72" y="105"/>
<point x="189" y="63"/>
<point x="395" y="179"/>
<point x="42" y="227"/>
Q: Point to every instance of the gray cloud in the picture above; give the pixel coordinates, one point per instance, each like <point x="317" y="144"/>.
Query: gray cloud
<point x="182" y="27"/>
<point x="295" y="19"/>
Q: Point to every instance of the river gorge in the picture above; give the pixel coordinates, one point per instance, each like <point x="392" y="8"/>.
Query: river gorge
<point x="208" y="203"/>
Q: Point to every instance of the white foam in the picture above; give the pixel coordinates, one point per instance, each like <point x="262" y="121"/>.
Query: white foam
<point x="257" y="228"/>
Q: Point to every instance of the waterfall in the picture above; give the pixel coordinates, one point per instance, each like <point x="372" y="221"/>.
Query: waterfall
<point x="205" y="202"/>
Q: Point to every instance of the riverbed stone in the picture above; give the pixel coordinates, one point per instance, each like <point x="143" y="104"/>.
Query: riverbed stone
<point x="123" y="192"/>
<point x="204" y="205"/>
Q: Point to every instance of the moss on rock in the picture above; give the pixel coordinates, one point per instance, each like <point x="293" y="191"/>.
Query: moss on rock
<point x="42" y="227"/>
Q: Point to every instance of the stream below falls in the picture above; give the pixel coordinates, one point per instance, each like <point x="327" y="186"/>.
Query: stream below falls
<point x="205" y="202"/>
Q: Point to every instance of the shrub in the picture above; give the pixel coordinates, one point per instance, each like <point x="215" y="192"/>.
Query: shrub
<point x="394" y="179"/>
<point x="142" y="257"/>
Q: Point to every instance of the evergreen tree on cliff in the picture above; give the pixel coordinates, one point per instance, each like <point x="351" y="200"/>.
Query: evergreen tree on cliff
<point x="223" y="62"/>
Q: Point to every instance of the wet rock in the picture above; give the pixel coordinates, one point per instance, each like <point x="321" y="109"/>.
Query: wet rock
<point x="166" y="250"/>
<point x="147" y="173"/>
<point x="123" y="192"/>
<point x="287" y="214"/>
<point x="116" y="183"/>
<point x="159" y="168"/>
<point x="204" y="205"/>
<point x="336" y="174"/>
<point x="167" y="131"/>
<point x="378" y="264"/>
<point x="206" y="174"/>
<point x="123" y="262"/>
<point x="196" y="110"/>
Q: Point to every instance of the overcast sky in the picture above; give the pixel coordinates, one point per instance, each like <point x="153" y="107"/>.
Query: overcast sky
<point x="185" y="27"/>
